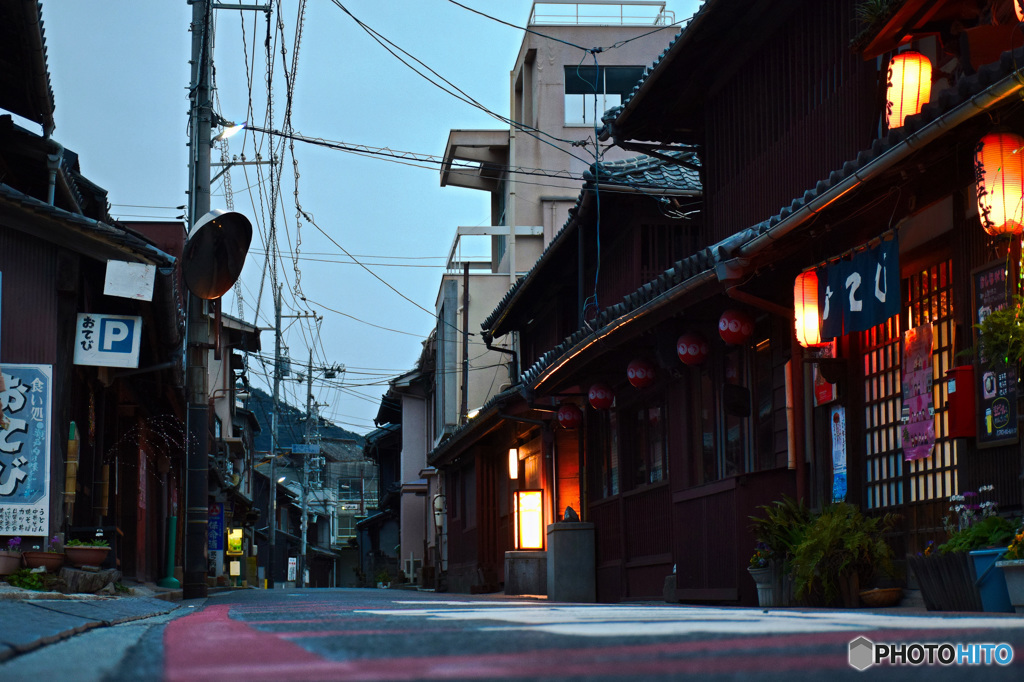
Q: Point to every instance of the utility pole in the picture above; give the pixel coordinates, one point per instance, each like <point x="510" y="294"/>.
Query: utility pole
<point x="305" y="471"/>
<point x="197" y="334"/>
<point x="272" y="502"/>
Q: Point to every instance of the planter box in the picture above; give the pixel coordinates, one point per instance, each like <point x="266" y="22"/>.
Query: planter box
<point x="1013" y="572"/>
<point x="52" y="561"/>
<point x="86" y="555"/>
<point x="946" y="581"/>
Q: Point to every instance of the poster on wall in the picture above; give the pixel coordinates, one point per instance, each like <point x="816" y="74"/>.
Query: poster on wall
<point x="838" y="422"/>
<point x="995" y="390"/>
<point x="918" y="419"/>
<point x="215" y="528"/>
<point x="25" y="415"/>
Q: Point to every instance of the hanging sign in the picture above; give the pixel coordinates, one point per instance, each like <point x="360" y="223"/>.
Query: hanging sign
<point x="108" y="340"/>
<point x="996" y="389"/>
<point x="856" y="294"/>
<point x="918" y="419"/>
<point x="838" y="423"/>
<point x="25" y="413"/>
<point x="824" y="392"/>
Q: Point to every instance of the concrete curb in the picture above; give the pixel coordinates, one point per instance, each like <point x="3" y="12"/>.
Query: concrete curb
<point x="27" y="624"/>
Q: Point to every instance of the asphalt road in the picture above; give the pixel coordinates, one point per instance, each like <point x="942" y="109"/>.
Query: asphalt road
<point x="403" y="635"/>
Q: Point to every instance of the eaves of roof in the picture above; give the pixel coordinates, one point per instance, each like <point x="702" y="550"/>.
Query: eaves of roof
<point x="25" y="87"/>
<point x="474" y="429"/>
<point x="645" y="174"/>
<point x="88" y="236"/>
<point x="993" y="84"/>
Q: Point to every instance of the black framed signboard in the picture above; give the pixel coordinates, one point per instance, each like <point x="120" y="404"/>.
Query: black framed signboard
<point x="995" y="389"/>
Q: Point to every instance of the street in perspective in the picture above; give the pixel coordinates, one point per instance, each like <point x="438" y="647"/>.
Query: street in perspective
<point x="371" y="634"/>
<point x="542" y="340"/>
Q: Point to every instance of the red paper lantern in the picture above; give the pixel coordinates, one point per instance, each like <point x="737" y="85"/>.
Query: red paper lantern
<point x="909" y="87"/>
<point x="999" y="174"/>
<point x="569" y="416"/>
<point x="601" y="396"/>
<point x="640" y="373"/>
<point x="805" y="305"/>
<point x="735" y="327"/>
<point x="692" y="348"/>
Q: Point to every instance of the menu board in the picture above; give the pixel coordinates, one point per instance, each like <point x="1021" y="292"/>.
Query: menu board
<point x="995" y="388"/>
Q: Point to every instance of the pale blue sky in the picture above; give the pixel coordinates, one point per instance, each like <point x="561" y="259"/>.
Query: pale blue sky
<point x="120" y="76"/>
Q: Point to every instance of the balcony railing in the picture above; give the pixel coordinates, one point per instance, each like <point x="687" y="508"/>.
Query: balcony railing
<point x="601" y="13"/>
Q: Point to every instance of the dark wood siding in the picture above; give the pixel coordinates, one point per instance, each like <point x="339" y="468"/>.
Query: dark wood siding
<point x="28" y="333"/>
<point x="816" y="103"/>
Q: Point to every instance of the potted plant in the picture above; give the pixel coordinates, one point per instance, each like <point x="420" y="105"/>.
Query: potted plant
<point x="840" y="549"/>
<point x="10" y="558"/>
<point x="947" y="573"/>
<point x="51" y="558"/>
<point x="1012" y="567"/>
<point x="761" y="571"/>
<point x="781" y="529"/>
<point x="86" y="552"/>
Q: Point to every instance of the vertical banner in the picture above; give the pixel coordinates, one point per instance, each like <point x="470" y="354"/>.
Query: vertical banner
<point x="995" y="388"/>
<point x="215" y="528"/>
<point x="918" y="427"/>
<point x="25" y="414"/>
<point x="838" y="422"/>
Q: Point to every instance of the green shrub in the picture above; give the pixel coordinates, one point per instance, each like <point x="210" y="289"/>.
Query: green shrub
<point x="992" y="531"/>
<point x="838" y="543"/>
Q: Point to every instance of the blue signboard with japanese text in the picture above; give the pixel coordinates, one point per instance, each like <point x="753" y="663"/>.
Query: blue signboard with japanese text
<point x="215" y="528"/>
<point x="25" y="414"/>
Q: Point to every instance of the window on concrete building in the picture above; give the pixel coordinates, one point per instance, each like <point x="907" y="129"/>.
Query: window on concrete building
<point x="590" y="91"/>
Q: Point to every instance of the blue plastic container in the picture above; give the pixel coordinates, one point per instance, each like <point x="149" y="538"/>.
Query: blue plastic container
<point x="990" y="581"/>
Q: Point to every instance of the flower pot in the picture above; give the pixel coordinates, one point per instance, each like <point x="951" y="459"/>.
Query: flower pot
<point x="990" y="582"/>
<point x="86" y="555"/>
<point x="52" y="561"/>
<point x="764" y="578"/>
<point x="1013" y="572"/>
<point x="9" y="562"/>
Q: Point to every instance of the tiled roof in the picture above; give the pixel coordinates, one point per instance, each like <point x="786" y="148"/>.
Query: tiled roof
<point x="648" y="172"/>
<point x="115" y="237"/>
<point x="487" y="411"/>
<point x="645" y="173"/>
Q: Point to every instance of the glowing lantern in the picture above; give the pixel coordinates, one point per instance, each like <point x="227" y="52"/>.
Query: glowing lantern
<point x="692" y="348"/>
<point x="569" y="416"/>
<point x="999" y="170"/>
<point x="513" y="463"/>
<point x="909" y="87"/>
<point x="528" y="519"/>
<point x="601" y="397"/>
<point x="1018" y="8"/>
<point x="640" y="373"/>
<point x="735" y="327"/>
<point x="805" y="304"/>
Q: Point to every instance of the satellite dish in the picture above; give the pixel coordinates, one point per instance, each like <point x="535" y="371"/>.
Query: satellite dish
<point x="215" y="253"/>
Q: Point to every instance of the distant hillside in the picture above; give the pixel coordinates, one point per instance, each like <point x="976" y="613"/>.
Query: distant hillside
<point x="292" y="425"/>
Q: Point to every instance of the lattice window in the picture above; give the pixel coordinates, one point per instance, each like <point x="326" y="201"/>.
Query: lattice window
<point x="890" y="481"/>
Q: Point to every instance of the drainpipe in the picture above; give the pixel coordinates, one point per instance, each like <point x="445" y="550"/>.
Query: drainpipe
<point x="513" y="363"/>
<point x="52" y="166"/>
